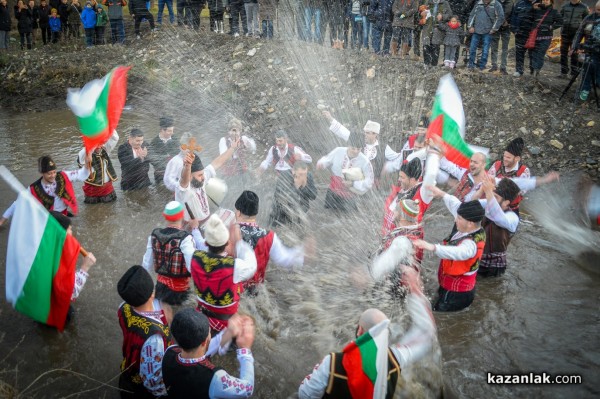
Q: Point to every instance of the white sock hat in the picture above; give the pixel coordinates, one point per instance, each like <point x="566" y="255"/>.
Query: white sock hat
<point x="371" y="126"/>
<point x="215" y="232"/>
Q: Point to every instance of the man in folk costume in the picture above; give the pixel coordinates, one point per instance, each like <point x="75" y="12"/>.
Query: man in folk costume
<point x="146" y="336"/>
<point x="460" y="253"/>
<point x="194" y="183"/>
<point x="169" y="252"/>
<point x="175" y="164"/>
<point x="406" y="215"/>
<point x="187" y="369"/>
<point x="54" y="190"/>
<point x="469" y="180"/>
<point x="375" y="152"/>
<point x="415" y="142"/>
<point x="511" y="166"/>
<point x="283" y="154"/>
<point x="163" y="148"/>
<point x="266" y="243"/>
<point x="238" y="164"/>
<point x="341" y="374"/>
<point x="218" y="275"/>
<point x="98" y="187"/>
<point x="351" y="174"/>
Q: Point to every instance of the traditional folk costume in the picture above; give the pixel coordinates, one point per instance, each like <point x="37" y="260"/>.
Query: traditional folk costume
<point x="397" y="159"/>
<point x="329" y="378"/>
<point x="460" y="255"/>
<point x="197" y="377"/>
<point x="98" y="187"/>
<point x="146" y="335"/>
<point x="283" y="160"/>
<point x="498" y="170"/>
<point x="410" y="210"/>
<point x="58" y="196"/>
<point x="218" y="277"/>
<point x="238" y="164"/>
<point x="173" y="172"/>
<point x="169" y="252"/>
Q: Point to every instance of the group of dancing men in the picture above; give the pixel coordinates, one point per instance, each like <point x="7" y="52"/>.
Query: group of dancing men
<point x="206" y="256"/>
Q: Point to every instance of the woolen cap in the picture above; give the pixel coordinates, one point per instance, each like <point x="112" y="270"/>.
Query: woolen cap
<point x="516" y="146"/>
<point x="507" y="189"/>
<point x="471" y="211"/>
<point x="413" y="169"/>
<point x="173" y="211"/>
<point x="197" y="164"/>
<point x="136" y="286"/>
<point x="46" y="164"/>
<point x="215" y="232"/>
<point x="371" y="126"/>
<point x="247" y="203"/>
<point x="189" y="328"/>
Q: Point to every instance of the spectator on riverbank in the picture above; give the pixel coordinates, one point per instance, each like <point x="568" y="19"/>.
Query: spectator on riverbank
<point x="5" y="25"/>
<point x="24" y="17"/>
<point x="101" y="22"/>
<point x="115" y="16"/>
<point x="88" y="17"/>
<point x="75" y="20"/>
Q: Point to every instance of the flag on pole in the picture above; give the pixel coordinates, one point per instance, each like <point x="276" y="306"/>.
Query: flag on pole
<point x="366" y="363"/>
<point x="448" y="122"/>
<point x="40" y="263"/>
<point x="98" y="106"/>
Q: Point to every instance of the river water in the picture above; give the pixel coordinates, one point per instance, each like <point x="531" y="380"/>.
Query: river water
<point x="542" y="316"/>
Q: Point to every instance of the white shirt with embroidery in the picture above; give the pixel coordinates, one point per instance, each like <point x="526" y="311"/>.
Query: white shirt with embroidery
<point x="282" y="164"/>
<point x="338" y="160"/>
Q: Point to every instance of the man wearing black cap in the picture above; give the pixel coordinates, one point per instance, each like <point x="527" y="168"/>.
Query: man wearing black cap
<point x="283" y="154"/>
<point x="133" y="156"/>
<point x="351" y="174"/>
<point x="187" y="369"/>
<point x="460" y="253"/>
<point x="510" y="165"/>
<point x="146" y="335"/>
<point x="266" y="243"/>
<point x="54" y="190"/>
<point x="162" y="148"/>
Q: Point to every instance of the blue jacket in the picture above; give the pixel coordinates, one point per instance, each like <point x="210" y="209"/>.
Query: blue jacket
<point x="521" y="18"/>
<point x="88" y="18"/>
<point x="380" y="14"/>
<point x="54" y="24"/>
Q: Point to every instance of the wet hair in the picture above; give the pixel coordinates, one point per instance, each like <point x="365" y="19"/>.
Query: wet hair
<point x="507" y="189"/>
<point x="300" y="165"/>
<point x="165" y="122"/>
<point x="190" y="328"/>
<point x="281" y="133"/>
<point x="247" y="203"/>
<point x="216" y="250"/>
<point x="136" y="133"/>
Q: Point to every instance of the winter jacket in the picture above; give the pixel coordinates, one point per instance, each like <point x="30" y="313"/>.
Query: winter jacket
<point x="267" y="8"/>
<point x="137" y="5"/>
<point x="74" y="14"/>
<point x="507" y="7"/>
<point x="55" y="25"/>
<point x="5" y="22"/>
<point x="43" y="15"/>
<point x="453" y="37"/>
<point x="24" y="18"/>
<point x="486" y="17"/>
<point x="115" y="9"/>
<point x="35" y="16"/>
<point x="88" y="18"/>
<point x="431" y="34"/>
<point x="585" y="30"/>
<point x="552" y="21"/>
<point x="101" y="17"/>
<point x="335" y="11"/>
<point x="572" y="15"/>
<point x="380" y="14"/>
<point x="404" y="13"/>
<point x="63" y="13"/>
<point x="250" y="1"/>
<point x="521" y="18"/>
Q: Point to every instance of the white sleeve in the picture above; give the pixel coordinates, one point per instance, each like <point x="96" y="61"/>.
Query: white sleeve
<point x="421" y="154"/>
<point x="187" y="249"/>
<point x="222" y="145"/>
<point x="365" y="184"/>
<point x="452" y="203"/>
<point x="463" y="251"/>
<point x="432" y="167"/>
<point x="268" y="160"/>
<point x="250" y="144"/>
<point x="339" y="130"/>
<point x="148" y="259"/>
<point x="209" y="173"/>
<point x="80" y="279"/>
<point x="525" y="183"/>
<point x="327" y="160"/>
<point x="225" y="386"/>
<point x="199" y="241"/>
<point x="151" y="356"/>
<point x="78" y="175"/>
<point x="172" y="174"/>
<point x="112" y="142"/>
<point x="304" y="156"/>
<point x="215" y="345"/>
<point x="81" y="157"/>
<point x="9" y="211"/>
<point x="286" y="257"/>
<point x="451" y="168"/>
<point x="245" y="263"/>
<point x="314" y="385"/>
<point x="507" y="220"/>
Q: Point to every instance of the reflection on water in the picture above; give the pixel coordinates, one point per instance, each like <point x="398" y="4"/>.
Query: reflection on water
<point x="542" y="316"/>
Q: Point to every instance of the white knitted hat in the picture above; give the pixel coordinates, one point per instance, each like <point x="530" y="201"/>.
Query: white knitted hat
<point x="216" y="190"/>
<point x="215" y="232"/>
<point x="371" y="126"/>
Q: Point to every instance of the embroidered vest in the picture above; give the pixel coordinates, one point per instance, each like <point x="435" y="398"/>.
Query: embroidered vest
<point x="501" y="173"/>
<point x="497" y="238"/>
<point x="136" y="330"/>
<point x="411" y="232"/>
<point x="337" y="387"/>
<point x="460" y="275"/>
<point x="238" y="164"/>
<point x="464" y="187"/>
<point x="97" y="172"/>
<point x="168" y="258"/>
<point x="397" y="195"/>
<point x="261" y="241"/>
<point x="64" y="190"/>
<point x="185" y="380"/>
<point x="213" y="278"/>
<point x="288" y="157"/>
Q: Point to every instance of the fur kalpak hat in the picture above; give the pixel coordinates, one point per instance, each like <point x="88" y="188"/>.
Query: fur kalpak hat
<point x="471" y="211"/>
<point x="371" y="126"/>
<point x="136" y="286"/>
<point x="173" y="211"/>
<point x="215" y="232"/>
<point x="189" y="328"/>
<point x="247" y="203"/>
<point x="412" y="169"/>
<point x="516" y="146"/>
<point x="216" y="190"/>
<point x="197" y="164"/>
<point x="46" y="164"/>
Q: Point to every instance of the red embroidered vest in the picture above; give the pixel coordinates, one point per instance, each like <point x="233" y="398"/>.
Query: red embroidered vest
<point x="64" y="190"/>
<point x="461" y="275"/>
<point x="261" y="241"/>
<point x="213" y="278"/>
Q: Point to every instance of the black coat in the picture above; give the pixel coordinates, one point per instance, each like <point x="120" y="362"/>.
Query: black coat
<point x="25" y="20"/>
<point x="5" y="22"/>
<point x="134" y="171"/>
<point x="43" y="15"/>
<point x="380" y="13"/>
<point x="63" y="13"/>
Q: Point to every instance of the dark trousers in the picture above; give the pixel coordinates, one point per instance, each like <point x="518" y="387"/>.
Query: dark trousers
<point x="520" y="50"/>
<point x="64" y="27"/>
<point x="117" y="31"/>
<point x="192" y="16"/>
<point x="89" y="36"/>
<point x="74" y="30"/>
<point x="490" y="271"/>
<point x="139" y="15"/>
<point x="566" y="39"/>
<point x="100" y="34"/>
<point x="180" y="12"/>
<point x="431" y="54"/>
<point x="452" y="301"/>
<point x="267" y="28"/>
<point x="417" y="41"/>
<point x="55" y="36"/>
<point x="538" y="53"/>
<point x="376" y="37"/>
<point x="334" y="201"/>
<point x="46" y="33"/>
<point x="25" y="37"/>
<point x="237" y="12"/>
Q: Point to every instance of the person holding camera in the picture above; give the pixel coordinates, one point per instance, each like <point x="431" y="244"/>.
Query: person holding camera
<point x="590" y="30"/>
<point x="381" y="16"/>
<point x="572" y="13"/>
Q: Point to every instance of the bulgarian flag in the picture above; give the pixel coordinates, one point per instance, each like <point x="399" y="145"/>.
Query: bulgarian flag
<point x="40" y="263"/>
<point x="98" y="106"/>
<point x="366" y="363"/>
<point x="448" y="122"/>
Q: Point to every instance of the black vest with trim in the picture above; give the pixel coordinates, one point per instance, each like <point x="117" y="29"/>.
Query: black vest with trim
<point x="184" y="380"/>
<point x="337" y="387"/>
<point x="96" y="177"/>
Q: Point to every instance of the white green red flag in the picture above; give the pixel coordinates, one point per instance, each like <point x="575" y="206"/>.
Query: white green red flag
<point x="448" y="122"/>
<point x="366" y="363"/>
<point x="98" y="106"/>
<point x="40" y="263"/>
